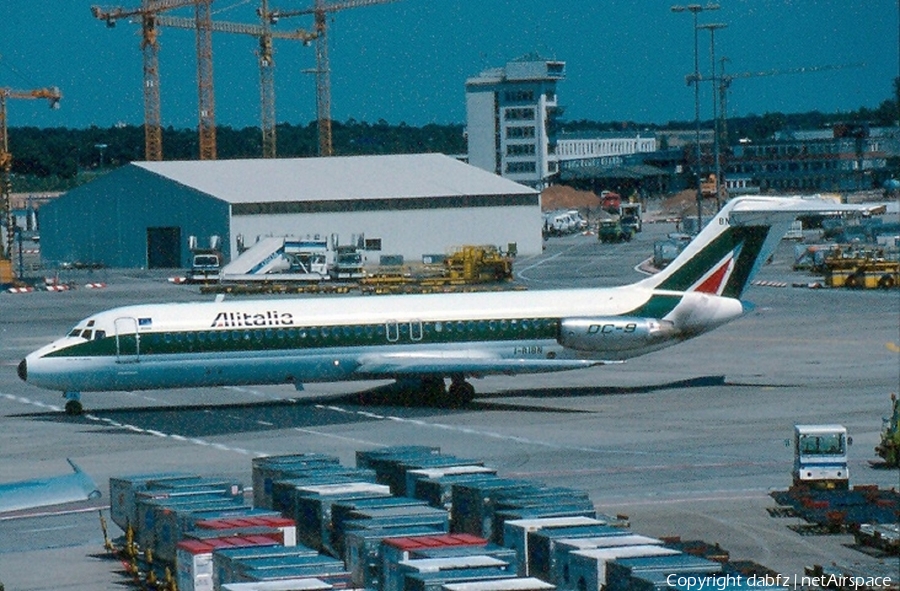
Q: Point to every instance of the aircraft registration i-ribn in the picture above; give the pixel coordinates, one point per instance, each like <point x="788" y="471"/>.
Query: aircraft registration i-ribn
<point x="427" y="337"/>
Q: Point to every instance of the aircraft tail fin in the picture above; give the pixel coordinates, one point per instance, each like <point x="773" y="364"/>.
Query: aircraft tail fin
<point x="728" y="252"/>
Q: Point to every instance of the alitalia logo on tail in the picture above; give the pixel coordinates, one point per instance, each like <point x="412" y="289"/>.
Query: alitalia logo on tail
<point x="716" y="279"/>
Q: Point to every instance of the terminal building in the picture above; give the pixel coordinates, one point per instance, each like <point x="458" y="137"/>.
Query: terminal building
<point x="509" y="115"/>
<point x="145" y="214"/>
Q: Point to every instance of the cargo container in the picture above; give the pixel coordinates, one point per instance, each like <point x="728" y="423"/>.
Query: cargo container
<point x="438" y="522"/>
<point x="542" y="543"/>
<point x="413" y="476"/>
<point x="622" y="571"/>
<point x="490" y="549"/>
<point x="543" y="510"/>
<point x="559" y="561"/>
<point x="312" y="508"/>
<point x="438" y="491"/>
<point x="394" y="580"/>
<point x="362" y="550"/>
<point x="436" y="581"/>
<point x="223" y="559"/>
<point x="517" y="584"/>
<point x="304" y="584"/>
<point x="343" y="511"/>
<point x="393" y="472"/>
<point x="338" y="578"/>
<point x="173" y="523"/>
<point x="372" y="457"/>
<point x="156" y="517"/>
<point x="269" y="519"/>
<point x="267" y="470"/>
<point x="268" y="567"/>
<point x="515" y="533"/>
<point x="123" y="490"/>
<point x="194" y="562"/>
<point x="473" y="503"/>
<point x="283" y="491"/>
<point x="395" y="550"/>
<point x="588" y="568"/>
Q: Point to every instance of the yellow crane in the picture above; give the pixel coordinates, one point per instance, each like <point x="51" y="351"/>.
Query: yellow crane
<point x="149" y="13"/>
<point x="320" y="11"/>
<point x="266" y="63"/>
<point x="51" y="94"/>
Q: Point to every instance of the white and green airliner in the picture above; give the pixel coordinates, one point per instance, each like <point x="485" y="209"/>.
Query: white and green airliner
<point x="423" y="337"/>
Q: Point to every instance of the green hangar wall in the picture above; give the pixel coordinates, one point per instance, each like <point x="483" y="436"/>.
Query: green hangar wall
<point x="130" y="218"/>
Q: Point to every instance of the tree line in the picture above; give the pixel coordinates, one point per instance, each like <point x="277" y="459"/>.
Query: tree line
<point x="59" y="158"/>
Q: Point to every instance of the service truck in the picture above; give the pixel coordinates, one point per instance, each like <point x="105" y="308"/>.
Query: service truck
<point x="820" y="457"/>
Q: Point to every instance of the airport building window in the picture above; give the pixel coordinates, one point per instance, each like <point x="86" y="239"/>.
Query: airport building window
<point x="520" y="132"/>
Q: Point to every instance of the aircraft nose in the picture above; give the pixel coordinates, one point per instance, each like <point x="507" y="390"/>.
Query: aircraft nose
<point x="23" y="370"/>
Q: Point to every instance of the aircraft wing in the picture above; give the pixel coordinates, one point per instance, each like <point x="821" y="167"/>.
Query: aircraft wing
<point x="424" y="363"/>
<point x="55" y="490"/>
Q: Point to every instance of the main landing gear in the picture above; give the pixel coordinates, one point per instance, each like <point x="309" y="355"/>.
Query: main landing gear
<point x="460" y="391"/>
<point x="432" y="391"/>
<point x="73" y="403"/>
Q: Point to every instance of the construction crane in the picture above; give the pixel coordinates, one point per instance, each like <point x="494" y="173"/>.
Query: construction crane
<point x="266" y="63"/>
<point x="725" y="81"/>
<point x="51" y="94"/>
<point x="320" y="11"/>
<point x="149" y="13"/>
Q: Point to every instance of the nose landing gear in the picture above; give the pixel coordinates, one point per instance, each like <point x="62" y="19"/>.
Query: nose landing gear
<point x="73" y="403"/>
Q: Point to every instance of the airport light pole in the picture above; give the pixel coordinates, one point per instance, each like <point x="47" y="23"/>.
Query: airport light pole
<point x="694" y="79"/>
<point x="712" y="27"/>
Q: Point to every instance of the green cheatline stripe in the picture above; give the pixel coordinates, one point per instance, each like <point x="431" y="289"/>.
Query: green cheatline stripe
<point x="656" y="307"/>
<point x="315" y="337"/>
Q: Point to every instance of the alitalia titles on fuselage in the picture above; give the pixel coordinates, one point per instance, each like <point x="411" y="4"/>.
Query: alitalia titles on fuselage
<point x="245" y="319"/>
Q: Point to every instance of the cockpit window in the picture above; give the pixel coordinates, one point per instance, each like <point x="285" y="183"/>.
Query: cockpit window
<point x="99" y="334"/>
<point x="87" y="335"/>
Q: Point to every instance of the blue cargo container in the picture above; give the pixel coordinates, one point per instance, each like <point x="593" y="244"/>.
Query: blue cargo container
<point x="541" y="544"/>
<point x="473" y="503"/>
<point x="222" y="560"/>
<point x="438" y="491"/>
<point x="621" y="571"/>
<point x="123" y="491"/>
<point x="267" y="470"/>
<point x="435" y="581"/>
<point x="312" y="508"/>
<point x="362" y="550"/>
<point x="394" y="580"/>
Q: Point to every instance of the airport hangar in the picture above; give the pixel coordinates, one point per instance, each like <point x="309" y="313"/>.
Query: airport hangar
<point x="142" y="215"/>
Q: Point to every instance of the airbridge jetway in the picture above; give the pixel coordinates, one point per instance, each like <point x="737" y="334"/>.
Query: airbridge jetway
<point x="306" y="259"/>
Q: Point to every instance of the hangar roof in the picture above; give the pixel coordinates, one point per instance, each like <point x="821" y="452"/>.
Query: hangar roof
<point x="336" y="178"/>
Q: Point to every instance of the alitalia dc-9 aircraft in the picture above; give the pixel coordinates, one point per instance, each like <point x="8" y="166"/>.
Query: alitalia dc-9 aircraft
<point x="426" y="337"/>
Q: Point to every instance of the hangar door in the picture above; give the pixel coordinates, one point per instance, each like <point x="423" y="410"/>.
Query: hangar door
<point x="164" y="247"/>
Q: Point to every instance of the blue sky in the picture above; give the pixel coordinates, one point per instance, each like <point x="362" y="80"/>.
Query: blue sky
<point x="407" y="60"/>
